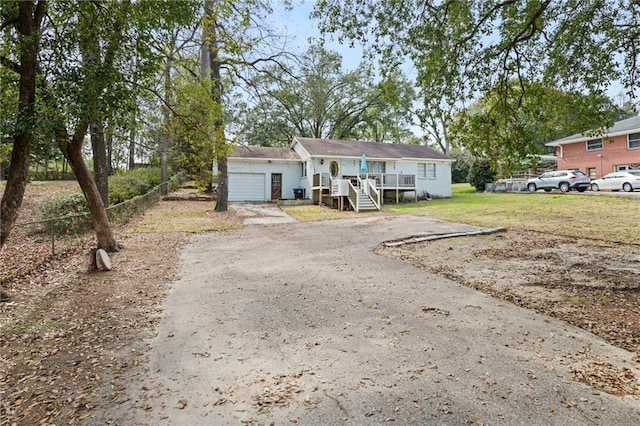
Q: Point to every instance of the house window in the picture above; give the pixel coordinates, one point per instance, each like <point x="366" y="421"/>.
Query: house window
<point x="594" y="144"/>
<point x="634" y="141"/>
<point x="426" y="170"/>
<point x="422" y="170"/>
<point x="334" y="169"/>
<point x="377" y="167"/>
<point x="304" y="169"/>
<point x="431" y="170"/>
<point x="591" y="172"/>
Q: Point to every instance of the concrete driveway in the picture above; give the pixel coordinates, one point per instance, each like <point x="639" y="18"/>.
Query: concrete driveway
<point x="303" y="323"/>
<point x="261" y="213"/>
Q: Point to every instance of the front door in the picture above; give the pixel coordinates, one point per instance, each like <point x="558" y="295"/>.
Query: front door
<point x="276" y="186"/>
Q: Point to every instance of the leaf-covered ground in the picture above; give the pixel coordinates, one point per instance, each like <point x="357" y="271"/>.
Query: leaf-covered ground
<point x="67" y="336"/>
<point x="68" y="339"/>
<point x="590" y="284"/>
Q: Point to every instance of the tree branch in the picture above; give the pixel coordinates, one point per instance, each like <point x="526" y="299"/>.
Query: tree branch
<point x="8" y="63"/>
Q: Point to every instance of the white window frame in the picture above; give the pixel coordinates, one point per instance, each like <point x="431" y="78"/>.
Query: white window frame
<point x="377" y="167"/>
<point x="422" y="171"/>
<point x="594" y="144"/>
<point x="304" y="169"/>
<point x="635" y="140"/>
<point x="431" y="171"/>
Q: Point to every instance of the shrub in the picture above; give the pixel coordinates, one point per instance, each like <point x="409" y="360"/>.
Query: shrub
<point x="71" y="211"/>
<point x="132" y="184"/>
<point x="480" y="174"/>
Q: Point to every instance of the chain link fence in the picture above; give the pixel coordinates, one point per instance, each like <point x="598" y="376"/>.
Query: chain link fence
<point x="70" y="226"/>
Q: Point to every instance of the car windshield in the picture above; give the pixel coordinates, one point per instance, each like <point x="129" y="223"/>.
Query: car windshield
<point x="635" y="173"/>
<point x="578" y="173"/>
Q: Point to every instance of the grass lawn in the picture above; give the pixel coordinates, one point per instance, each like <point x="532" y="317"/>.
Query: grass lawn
<point x="602" y="217"/>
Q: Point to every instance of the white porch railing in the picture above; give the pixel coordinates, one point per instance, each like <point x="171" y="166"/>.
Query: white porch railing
<point x="369" y="187"/>
<point x="382" y="180"/>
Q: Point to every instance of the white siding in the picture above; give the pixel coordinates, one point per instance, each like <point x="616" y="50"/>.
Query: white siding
<point x="291" y="178"/>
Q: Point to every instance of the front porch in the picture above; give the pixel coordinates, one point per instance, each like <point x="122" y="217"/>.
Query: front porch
<point x="363" y="191"/>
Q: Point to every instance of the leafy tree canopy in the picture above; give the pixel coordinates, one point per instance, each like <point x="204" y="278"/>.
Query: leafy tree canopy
<point x="463" y="50"/>
<point x="313" y="97"/>
<point x="508" y="126"/>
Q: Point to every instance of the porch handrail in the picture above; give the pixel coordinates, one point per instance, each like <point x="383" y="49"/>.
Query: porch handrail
<point x="373" y="192"/>
<point x="322" y="180"/>
<point x="353" y="197"/>
<point x="398" y="180"/>
<point x="335" y="186"/>
<point x="369" y="188"/>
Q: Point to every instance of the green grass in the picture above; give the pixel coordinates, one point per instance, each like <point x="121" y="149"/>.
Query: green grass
<point x="184" y="216"/>
<point x="607" y="218"/>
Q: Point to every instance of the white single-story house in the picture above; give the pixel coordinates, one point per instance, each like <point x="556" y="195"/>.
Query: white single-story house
<point x="337" y="172"/>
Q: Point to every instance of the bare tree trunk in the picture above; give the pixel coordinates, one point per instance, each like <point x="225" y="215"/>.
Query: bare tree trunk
<point x="29" y="20"/>
<point x="215" y="64"/>
<point x="72" y="150"/>
<point x="132" y="148"/>
<point x="165" y="137"/>
<point x="223" y="188"/>
<point x="108" y="138"/>
<point x="100" y="163"/>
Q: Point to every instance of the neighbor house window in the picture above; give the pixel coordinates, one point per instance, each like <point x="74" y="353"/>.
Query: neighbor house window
<point x="594" y="144"/>
<point x="431" y="170"/>
<point x="304" y="169"/>
<point x="634" y="140"/>
<point x="422" y="170"/>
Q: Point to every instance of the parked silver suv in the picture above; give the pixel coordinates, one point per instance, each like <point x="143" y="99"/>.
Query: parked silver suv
<point x="564" y="180"/>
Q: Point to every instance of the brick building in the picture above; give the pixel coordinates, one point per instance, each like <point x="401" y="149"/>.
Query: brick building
<point x="617" y="149"/>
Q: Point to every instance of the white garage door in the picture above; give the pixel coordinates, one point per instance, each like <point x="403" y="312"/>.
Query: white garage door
<point x="247" y="187"/>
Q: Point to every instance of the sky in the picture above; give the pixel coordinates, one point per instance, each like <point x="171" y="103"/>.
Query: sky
<point x="298" y="24"/>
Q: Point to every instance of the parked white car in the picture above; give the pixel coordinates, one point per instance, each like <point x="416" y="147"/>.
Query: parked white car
<point x="627" y="181"/>
<point x="564" y="180"/>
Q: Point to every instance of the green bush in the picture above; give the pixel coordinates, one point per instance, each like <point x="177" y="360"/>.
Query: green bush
<point x="132" y="184"/>
<point x="71" y="212"/>
<point x="480" y="174"/>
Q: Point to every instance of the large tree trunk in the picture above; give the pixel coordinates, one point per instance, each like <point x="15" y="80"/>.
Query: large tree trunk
<point x="165" y="137"/>
<point x="100" y="161"/>
<point x="132" y="148"/>
<point x="215" y="65"/>
<point x="29" y="19"/>
<point x="108" y="139"/>
<point x="72" y="150"/>
<point x="223" y="188"/>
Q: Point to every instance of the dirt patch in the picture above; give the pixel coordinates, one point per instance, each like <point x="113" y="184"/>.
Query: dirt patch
<point x="590" y="284"/>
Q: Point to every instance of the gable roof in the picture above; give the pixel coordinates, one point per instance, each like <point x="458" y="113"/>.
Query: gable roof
<point x="346" y="148"/>
<point x="622" y="127"/>
<point x="263" y="152"/>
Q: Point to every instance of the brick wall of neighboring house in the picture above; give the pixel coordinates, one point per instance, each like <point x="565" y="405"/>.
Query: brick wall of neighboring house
<point x="614" y="153"/>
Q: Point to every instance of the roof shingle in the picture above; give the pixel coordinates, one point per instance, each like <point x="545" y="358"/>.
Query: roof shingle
<point x="350" y="148"/>
<point x="264" y="152"/>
